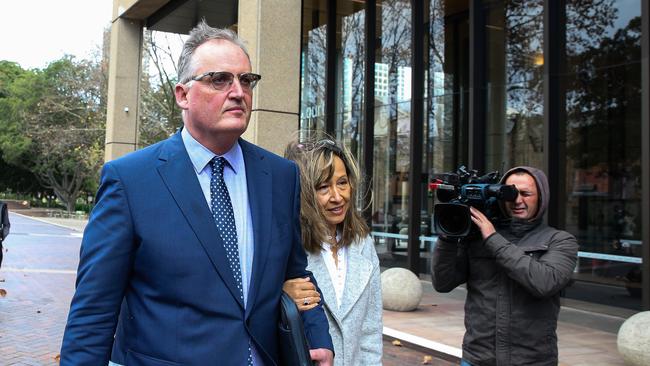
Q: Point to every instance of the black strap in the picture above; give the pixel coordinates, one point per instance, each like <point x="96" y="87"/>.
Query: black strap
<point x="294" y="347"/>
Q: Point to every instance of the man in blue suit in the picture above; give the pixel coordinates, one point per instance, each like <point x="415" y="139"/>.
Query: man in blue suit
<point x="185" y="253"/>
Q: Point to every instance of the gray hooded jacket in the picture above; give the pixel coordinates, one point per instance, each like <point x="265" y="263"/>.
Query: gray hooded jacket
<point x="513" y="278"/>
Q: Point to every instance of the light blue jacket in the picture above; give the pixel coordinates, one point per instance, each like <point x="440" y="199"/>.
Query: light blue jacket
<point x="355" y="327"/>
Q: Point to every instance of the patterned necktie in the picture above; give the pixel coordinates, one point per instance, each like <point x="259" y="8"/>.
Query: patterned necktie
<point x="225" y="219"/>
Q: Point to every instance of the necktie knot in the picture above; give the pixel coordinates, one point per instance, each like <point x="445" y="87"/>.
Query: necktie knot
<point x="218" y="163"/>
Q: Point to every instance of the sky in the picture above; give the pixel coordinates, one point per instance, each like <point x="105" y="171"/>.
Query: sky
<point x="34" y="33"/>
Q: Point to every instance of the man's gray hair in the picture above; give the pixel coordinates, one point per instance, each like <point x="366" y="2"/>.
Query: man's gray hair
<point x="199" y="35"/>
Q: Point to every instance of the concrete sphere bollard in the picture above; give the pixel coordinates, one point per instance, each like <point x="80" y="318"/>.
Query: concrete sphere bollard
<point x="634" y="339"/>
<point x="401" y="290"/>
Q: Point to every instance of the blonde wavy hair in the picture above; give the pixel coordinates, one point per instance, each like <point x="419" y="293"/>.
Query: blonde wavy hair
<point x="315" y="159"/>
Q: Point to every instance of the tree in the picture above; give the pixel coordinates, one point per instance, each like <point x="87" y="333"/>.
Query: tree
<point x="53" y="124"/>
<point x="17" y="179"/>
<point x="160" y="117"/>
<point x="12" y="177"/>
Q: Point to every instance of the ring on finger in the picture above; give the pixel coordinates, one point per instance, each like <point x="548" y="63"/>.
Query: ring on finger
<point x="305" y="301"/>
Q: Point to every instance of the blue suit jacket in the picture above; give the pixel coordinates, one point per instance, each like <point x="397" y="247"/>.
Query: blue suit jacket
<point x="152" y="256"/>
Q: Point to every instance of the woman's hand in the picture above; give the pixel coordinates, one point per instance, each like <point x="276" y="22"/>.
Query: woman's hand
<point x="303" y="293"/>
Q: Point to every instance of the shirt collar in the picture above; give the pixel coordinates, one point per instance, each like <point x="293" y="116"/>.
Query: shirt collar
<point x="201" y="155"/>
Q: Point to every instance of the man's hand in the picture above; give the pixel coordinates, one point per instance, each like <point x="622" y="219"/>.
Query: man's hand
<point x="322" y="356"/>
<point x="482" y="222"/>
<point x="303" y="293"/>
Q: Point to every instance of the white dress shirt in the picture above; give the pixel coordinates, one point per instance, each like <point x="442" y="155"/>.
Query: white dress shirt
<point x="337" y="273"/>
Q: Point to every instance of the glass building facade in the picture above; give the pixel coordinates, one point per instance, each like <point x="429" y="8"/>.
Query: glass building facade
<point x="417" y="88"/>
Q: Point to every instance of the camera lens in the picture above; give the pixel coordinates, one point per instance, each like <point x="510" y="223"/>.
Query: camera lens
<point x="452" y="219"/>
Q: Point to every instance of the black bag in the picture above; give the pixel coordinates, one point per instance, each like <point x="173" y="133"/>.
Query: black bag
<point x="294" y="347"/>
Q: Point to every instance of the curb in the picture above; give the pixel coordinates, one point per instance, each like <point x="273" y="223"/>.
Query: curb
<point x="439" y="350"/>
<point x="47" y="222"/>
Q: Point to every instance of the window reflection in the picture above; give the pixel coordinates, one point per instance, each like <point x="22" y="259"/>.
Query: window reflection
<point x="601" y="88"/>
<point x="447" y="86"/>
<point x="514" y="34"/>
<point x="350" y="72"/>
<point x="603" y="142"/>
<point x="446" y="100"/>
<point x="313" y="67"/>
<point x="392" y="120"/>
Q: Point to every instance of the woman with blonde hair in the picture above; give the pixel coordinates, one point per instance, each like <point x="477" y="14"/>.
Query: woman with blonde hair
<point x="340" y="251"/>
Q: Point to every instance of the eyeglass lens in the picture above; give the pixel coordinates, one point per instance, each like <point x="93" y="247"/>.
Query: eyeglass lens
<point x="223" y="80"/>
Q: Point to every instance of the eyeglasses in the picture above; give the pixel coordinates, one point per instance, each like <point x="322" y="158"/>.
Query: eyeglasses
<point x="222" y="80"/>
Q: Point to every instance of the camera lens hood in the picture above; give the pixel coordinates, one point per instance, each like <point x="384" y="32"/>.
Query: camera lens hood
<point x="452" y="220"/>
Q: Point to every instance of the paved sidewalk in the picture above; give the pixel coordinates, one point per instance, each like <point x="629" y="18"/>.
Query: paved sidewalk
<point x="38" y="274"/>
<point x="39" y="271"/>
<point x="584" y="338"/>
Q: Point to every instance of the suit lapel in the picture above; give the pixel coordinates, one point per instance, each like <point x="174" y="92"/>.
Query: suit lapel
<point x="259" y="182"/>
<point x="178" y="175"/>
<point x="357" y="277"/>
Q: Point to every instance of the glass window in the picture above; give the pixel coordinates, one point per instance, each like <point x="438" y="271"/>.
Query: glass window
<point x="447" y="88"/>
<point x="514" y="36"/>
<point x="313" y="66"/>
<point x="603" y="144"/>
<point x="446" y="102"/>
<point x="350" y="73"/>
<point x="392" y="123"/>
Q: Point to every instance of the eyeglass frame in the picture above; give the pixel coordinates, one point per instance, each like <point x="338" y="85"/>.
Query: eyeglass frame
<point x="238" y="76"/>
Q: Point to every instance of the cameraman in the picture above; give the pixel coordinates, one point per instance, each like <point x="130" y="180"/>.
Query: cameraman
<point x="514" y="274"/>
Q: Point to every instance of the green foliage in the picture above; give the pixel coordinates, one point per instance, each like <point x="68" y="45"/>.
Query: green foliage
<point x="17" y="179"/>
<point x="53" y="123"/>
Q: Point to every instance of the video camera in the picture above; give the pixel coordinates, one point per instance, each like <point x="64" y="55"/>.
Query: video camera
<point x="457" y="191"/>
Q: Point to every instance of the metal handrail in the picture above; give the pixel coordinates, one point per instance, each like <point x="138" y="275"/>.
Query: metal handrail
<point x="581" y="254"/>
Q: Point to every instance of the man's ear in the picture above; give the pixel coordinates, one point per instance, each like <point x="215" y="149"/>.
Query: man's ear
<point x="180" y="92"/>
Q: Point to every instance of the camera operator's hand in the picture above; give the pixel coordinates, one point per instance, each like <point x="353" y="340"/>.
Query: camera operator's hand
<point x="483" y="223"/>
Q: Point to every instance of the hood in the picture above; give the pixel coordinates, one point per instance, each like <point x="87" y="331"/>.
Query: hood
<point x="542" y="187"/>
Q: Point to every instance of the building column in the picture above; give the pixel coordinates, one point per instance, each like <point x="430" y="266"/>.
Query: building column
<point x="123" y="86"/>
<point x="272" y="31"/>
